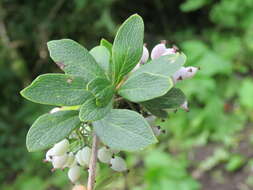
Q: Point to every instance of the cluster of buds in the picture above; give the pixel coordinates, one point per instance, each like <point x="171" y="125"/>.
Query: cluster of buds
<point x="161" y="50"/>
<point x="107" y="156"/>
<point x="61" y="157"/>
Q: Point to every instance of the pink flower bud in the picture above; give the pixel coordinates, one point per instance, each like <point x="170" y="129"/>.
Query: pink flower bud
<point x="190" y="72"/>
<point x="158" y="50"/>
<point x="184" y="73"/>
<point x="177" y="76"/>
<point x="145" y="55"/>
<point x="169" y="51"/>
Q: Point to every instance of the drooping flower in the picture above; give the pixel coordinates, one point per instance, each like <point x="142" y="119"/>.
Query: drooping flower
<point x="60" y="148"/>
<point x="184" y="73"/>
<point x="83" y="156"/>
<point x="118" y="164"/>
<point x="104" y="155"/>
<point x="74" y="173"/>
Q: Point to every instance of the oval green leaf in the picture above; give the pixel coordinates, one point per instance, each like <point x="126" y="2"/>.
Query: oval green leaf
<point x="145" y="86"/>
<point x="123" y="129"/>
<point x="57" y="89"/>
<point x="49" y="129"/>
<point x="74" y="59"/>
<point x="127" y="47"/>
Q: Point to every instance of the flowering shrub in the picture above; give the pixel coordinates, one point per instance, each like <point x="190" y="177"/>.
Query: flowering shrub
<point x="112" y="93"/>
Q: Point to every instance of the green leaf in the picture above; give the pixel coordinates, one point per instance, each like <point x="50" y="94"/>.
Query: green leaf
<point x="165" y="65"/>
<point x="89" y="111"/>
<point x="246" y="93"/>
<point x="102" y="89"/>
<point x="106" y="44"/>
<point x="102" y="57"/>
<point x="145" y="86"/>
<point x="57" y="89"/>
<point x="123" y="129"/>
<point x="74" y="59"/>
<point x="49" y="129"/>
<point x="127" y="47"/>
<point x="171" y="100"/>
<point x="157" y="112"/>
<point x="152" y="80"/>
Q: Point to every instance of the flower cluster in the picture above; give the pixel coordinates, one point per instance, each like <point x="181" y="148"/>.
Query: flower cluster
<point x="61" y="157"/>
<point x="161" y="50"/>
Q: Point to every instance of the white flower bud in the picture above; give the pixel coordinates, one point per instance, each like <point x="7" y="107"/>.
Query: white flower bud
<point x="74" y="173"/>
<point x="70" y="161"/>
<point x="59" y="161"/>
<point x="83" y="156"/>
<point x="158" y="50"/>
<point x="49" y="155"/>
<point x="145" y="55"/>
<point x="54" y="110"/>
<point x="184" y="106"/>
<point x="104" y="155"/>
<point x="151" y="120"/>
<point x="60" y="148"/>
<point x="118" y="164"/>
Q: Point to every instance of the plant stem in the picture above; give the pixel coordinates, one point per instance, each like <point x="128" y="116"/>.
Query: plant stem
<point x="93" y="163"/>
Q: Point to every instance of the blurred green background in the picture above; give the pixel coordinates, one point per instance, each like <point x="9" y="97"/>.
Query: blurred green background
<point x="208" y="148"/>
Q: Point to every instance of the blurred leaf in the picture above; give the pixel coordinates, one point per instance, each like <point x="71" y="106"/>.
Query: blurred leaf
<point x="235" y="163"/>
<point x="192" y="5"/>
<point x="246" y="93"/>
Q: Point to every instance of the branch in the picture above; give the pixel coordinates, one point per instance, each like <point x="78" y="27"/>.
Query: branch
<point x="93" y="163"/>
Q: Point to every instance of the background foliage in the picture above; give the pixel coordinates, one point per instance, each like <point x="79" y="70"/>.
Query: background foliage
<point x="207" y="148"/>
